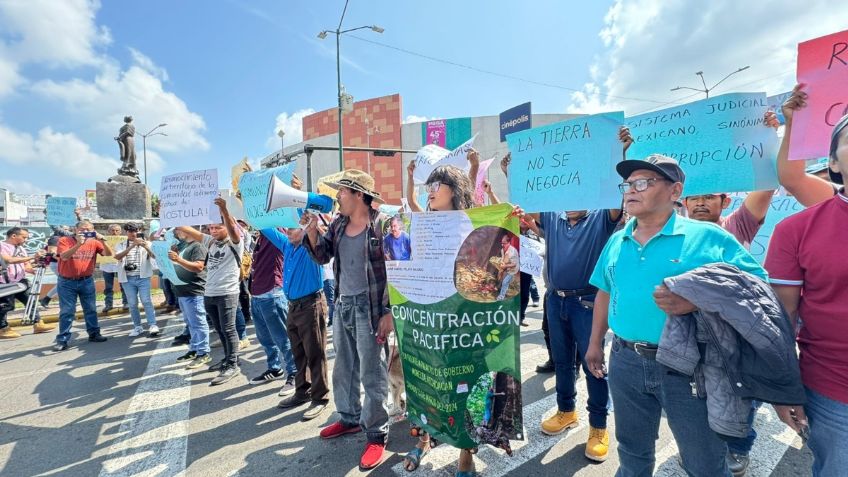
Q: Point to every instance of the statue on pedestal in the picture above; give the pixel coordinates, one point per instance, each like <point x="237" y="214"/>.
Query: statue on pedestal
<point x="126" y="144"/>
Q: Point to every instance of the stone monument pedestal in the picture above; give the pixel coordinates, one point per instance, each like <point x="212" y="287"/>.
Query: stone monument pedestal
<point x="123" y="200"/>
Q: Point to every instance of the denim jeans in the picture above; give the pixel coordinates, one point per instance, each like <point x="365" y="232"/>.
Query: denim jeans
<point x="534" y="290"/>
<point x="138" y="289"/>
<point x="359" y="360"/>
<point x="270" y="311"/>
<point x="222" y="313"/>
<point x="507" y="279"/>
<point x="642" y="389"/>
<point x="329" y="296"/>
<point x="241" y="324"/>
<point x="69" y="291"/>
<point x="109" y="287"/>
<point x="194" y="314"/>
<point x="743" y="445"/>
<point x="570" y="327"/>
<point x="828" y="434"/>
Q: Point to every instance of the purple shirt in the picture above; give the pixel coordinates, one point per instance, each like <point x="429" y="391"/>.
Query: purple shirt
<point x="267" y="267"/>
<point x="742" y="225"/>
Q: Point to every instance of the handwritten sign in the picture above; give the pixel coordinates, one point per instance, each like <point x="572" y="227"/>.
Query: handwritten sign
<point x="186" y="199"/>
<point x="823" y="67"/>
<point x="60" y="211"/>
<point x="781" y="207"/>
<point x="431" y="156"/>
<point x="530" y="256"/>
<point x="254" y="196"/>
<point x="720" y="143"/>
<point x="166" y="266"/>
<point x="112" y="241"/>
<point x="566" y="165"/>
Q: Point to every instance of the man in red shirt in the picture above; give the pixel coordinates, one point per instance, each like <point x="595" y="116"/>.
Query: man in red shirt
<point x="806" y="263"/>
<point x="77" y="257"/>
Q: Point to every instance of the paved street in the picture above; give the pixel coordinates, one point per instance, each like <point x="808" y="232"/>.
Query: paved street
<point x="125" y="408"/>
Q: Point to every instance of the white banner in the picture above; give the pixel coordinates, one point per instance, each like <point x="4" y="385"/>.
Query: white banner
<point x="432" y="156"/>
<point x="186" y="199"/>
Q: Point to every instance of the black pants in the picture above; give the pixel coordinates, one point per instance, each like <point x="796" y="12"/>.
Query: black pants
<point x="244" y="301"/>
<point x="534" y="291"/>
<point x="221" y="311"/>
<point x="10" y="304"/>
<point x="525" y="279"/>
<point x="545" y="331"/>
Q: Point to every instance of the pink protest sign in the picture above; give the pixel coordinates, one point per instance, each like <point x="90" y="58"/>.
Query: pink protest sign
<point x="437" y="133"/>
<point x="479" y="193"/>
<point x="823" y="68"/>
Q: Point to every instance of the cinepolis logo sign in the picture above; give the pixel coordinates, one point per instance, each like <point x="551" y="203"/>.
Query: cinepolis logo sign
<point x="514" y="122"/>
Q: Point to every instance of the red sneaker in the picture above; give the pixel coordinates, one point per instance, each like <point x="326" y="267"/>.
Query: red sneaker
<point x="372" y="456"/>
<point x="337" y="429"/>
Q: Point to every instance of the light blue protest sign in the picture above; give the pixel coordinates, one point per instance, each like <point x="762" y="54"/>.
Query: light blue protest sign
<point x="254" y="187"/>
<point x="390" y="210"/>
<point x="166" y="266"/>
<point x="781" y="208"/>
<point x="569" y="165"/>
<point x="60" y="211"/>
<point x="721" y="143"/>
<point x="775" y="103"/>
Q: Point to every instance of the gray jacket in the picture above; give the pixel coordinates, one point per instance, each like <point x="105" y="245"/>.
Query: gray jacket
<point x="738" y="346"/>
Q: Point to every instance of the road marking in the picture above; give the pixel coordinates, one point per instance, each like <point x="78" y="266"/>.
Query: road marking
<point x="152" y="438"/>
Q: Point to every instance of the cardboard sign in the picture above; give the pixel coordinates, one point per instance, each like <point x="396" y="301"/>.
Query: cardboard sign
<point x="60" y="211"/>
<point x="254" y="196"/>
<point x="112" y="241"/>
<point x="823" y="68"/>
<point x="431" y="156"/>
<point x="186" y="199"/>
<point x="531" y="253"/>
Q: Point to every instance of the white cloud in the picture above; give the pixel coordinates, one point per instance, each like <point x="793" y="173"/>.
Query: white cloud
<point x="148" y="65"/>
<point x="415" y="119"/>
<point x="10" y="79"/>
<point x="22" y="187"/>
<point x="53" y="154"/>
<point x="292" y="126"/>
<point x="653" y="46"/>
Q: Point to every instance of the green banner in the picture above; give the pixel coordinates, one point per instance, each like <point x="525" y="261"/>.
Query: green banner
<point x="455" y="301"/>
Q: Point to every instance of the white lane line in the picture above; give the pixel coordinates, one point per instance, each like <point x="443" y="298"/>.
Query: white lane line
<point x="773" y="439"/>
<point x="152" y="438"/>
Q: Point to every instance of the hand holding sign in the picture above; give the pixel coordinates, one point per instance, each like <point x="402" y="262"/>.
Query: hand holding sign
<point x="186" y="198"/>
<point x="431" y="156"/>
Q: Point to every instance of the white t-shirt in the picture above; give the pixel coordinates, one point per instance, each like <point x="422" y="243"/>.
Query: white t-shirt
<point x="328" y="270"/>
<point x="222" y="268"/>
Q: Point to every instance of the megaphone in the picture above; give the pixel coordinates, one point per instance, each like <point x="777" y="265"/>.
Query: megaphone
<point x="282" y="195"/>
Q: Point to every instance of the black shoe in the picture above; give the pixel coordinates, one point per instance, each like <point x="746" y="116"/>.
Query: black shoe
<point x="98" y="338"/>
<point x="60" y="347"/>
<point x="218" y="366"/>
<point x="546" y="367"/>
<point x="268" y="376"/>
<point x="188" y="356"/>
<point x="106" y="309"/>
<point x="737" y="463"/>
<point x="227" y="373"/>
<point x="181" y="340"/>
<point x="293" y="401"/>
<point x="44" y="302"/>
<point x="524" y="323"/>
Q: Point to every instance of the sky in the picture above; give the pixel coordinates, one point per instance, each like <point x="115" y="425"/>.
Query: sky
<point x="226" y="74"/>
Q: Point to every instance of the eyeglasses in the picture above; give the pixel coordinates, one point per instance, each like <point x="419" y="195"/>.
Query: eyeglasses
<point x="433" y="187"/>
<point x="639" y="185"/>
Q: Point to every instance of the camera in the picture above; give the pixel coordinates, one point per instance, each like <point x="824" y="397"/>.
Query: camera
<point x="89" y="234"/>
<point x="130" y="267"/>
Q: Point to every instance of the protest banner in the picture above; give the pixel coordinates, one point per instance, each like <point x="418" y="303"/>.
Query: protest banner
<point x="569" y="165"/>
<point x="237" y="170"/>
<point x="531" y="253"/>
<point x="254" y="197"/>
<point x="518" y="118"/>
<point x="60" y="211"/>
<point x="482" y="173"/>
<point x="720" y="143"/>
<point x="186" y="199"/>
<point x="823" y="68"/>
<point x="431" y="156"/>
<point x="436" y="133"/>
<point x="781" y="207"/>
<point x="166" y="266"/>
<point x="459" y="342"/>
<point x="112" y="241"/>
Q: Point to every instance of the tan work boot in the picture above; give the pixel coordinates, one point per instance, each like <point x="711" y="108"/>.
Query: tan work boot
<point x="42" y="327"/>
<point x="559" y="422"/>
<point x="8" y="333"/>
<point x="597" y="447"/>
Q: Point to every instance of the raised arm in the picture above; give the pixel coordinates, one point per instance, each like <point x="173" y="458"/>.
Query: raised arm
<point x="474" y="160"/>
<point x="410" y="188"/>
<point x="807" y="188"/>
<point x="192" y="232"/>
<point x="758" y="203"/>
<point x="229" y="222"/>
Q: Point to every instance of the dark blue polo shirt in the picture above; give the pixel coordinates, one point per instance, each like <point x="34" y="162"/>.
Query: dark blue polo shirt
<point x="572" y="251"/>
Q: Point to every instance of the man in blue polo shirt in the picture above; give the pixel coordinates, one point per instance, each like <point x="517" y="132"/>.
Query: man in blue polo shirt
<point x="633" y="301"/>
<point x="303" y="282"/>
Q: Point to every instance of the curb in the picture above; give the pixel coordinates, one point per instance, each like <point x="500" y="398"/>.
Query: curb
<point x="54" y="318"/>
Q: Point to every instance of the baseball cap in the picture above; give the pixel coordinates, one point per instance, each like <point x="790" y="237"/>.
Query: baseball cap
<point x="130" y="227"/>
<point x="662" y="165"/>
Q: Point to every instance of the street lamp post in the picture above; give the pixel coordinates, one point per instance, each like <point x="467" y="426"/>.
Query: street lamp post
<point x="144" y="145"/>
<point x="281" y="133"/>
<point x="339" y="32"/>
<point x="707" y="90"/>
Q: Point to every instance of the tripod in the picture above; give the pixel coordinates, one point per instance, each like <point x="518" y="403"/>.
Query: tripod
<point x="31" y="312"/>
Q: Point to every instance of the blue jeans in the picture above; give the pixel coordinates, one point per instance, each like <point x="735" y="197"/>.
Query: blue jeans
<point x="69" y="291"/>
<point x="135" y="289"/>
<point x="241" y="325"/>
<point x="329" y="295"/>
<point x="507" y="279"/>
<point x="642" y="389"/>
<point x="828" y="434"/>
<point x="109" y="287"/>
<point x="194" y="313"/>
<point x="270" y="311"/>
<point x="570" y="327"/>
<point x="743" y="445"/>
